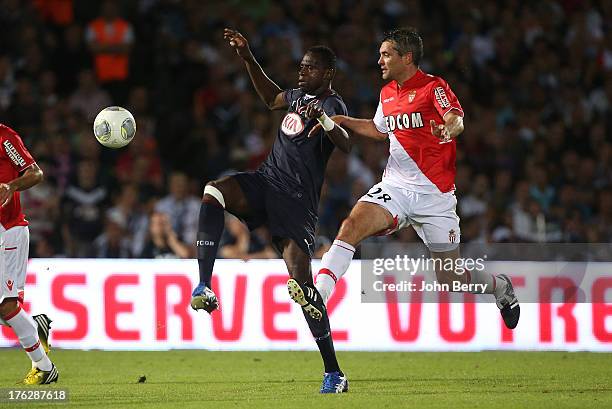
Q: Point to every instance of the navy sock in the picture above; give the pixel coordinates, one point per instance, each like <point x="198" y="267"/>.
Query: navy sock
<point x="210" y="228"/>
<point x="321" y="331"/>
<point x="328" y="353"/>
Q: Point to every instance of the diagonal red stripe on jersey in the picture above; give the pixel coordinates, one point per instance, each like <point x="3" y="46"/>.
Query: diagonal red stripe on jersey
<point x="11" y="248"/>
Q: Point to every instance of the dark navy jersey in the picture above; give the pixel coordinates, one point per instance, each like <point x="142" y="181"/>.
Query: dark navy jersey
<point x="297" y="163"/>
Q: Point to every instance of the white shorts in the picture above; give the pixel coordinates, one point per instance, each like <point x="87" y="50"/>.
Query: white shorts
<point x="432" y="215"/>
<point x="14" y="247"/>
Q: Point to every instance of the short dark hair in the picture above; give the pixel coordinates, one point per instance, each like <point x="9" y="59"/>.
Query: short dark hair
<point x="406" y="40"/>
<point x="326" y="56"/>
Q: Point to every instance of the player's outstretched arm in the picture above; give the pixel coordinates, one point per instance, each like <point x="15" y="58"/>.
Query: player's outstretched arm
<point x="335" y="132"/>
<point x="363" y="127"/>
<point x="30" y="177"/>
<point x="268" y="91"/>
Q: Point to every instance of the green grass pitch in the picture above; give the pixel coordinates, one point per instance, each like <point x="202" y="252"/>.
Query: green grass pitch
<point x="274" y="380"/>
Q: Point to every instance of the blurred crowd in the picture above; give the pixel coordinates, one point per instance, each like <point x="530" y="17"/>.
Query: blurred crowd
<point x="534" y="78"/>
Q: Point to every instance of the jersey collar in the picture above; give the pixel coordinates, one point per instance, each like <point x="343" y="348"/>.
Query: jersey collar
<point x="412" y="81"/>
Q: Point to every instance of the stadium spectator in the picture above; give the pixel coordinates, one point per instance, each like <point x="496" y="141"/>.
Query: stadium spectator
<point x="25" y="111"/>
<point x="82" y="210"/>
<point x="237" y="242"/>
<point x="48" y="88"/>
<point x="89" y="98"/>
<point x="43" y="206"/>
<point x="475" y="202"/>
<point x="113" y="242"/>
<point x="140" y="162"/>
<point x="127" y="214"/>
<point x="70" y="58"/>
<point x="162" y="241"/>
<point x="110" y="40"/>
<point x="181" y="207"/>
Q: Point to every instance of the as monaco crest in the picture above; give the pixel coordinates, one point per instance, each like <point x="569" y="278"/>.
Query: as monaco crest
<point x="411" y="95"/>
<point x="292" y="124"/>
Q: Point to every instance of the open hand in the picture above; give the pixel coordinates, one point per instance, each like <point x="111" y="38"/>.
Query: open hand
<point x="6" y="194"/>
<point x="440" y="131"/>
<point x="237" y="41"/>
<point x="313" y="110"/>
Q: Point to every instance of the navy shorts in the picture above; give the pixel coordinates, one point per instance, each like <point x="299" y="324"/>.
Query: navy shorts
<point x="287" y="215"/>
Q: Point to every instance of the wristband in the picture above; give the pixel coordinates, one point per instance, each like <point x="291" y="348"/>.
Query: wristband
<point x="326" y="122"/>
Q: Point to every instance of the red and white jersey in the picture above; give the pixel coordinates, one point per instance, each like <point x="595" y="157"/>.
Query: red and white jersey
<point x="14" y="159"/>
<point x="417" y="160"/>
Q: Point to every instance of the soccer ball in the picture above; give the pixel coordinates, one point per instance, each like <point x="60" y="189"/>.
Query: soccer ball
<point x="114" y="127"/>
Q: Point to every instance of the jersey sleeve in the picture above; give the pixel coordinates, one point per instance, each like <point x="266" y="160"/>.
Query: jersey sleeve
<point x="15" y="150"/>
<point x="290" y="95"/>
<point x="379" y="120"/>
<point x="444" y="99"/>
<point x="334" y="106"/>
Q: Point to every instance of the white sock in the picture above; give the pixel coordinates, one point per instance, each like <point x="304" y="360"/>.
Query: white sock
<point x="26" y="330"/>
<point x="333" y="266"/>
<point x="325" y="285"/>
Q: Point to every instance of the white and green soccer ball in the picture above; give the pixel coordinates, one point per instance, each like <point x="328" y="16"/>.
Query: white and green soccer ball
<point x="114" y="127"/>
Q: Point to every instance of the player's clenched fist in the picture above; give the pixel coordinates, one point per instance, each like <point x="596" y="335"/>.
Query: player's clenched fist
<point x="237" y="41"/>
